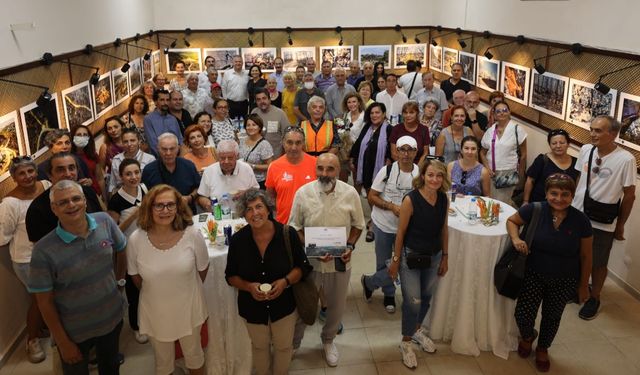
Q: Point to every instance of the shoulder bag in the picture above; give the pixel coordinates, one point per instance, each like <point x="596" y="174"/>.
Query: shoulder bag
<point x="506" y="178"/>
<point x="605" y="213"/>
<point x="304" y="291"/>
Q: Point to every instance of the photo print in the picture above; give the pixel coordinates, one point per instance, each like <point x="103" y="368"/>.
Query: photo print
<point x="449" y="57"/>
<point x="36" y="122"/>
<point x="120" y="86"/>
<point x="376" y="53"/>
<point x="405" y="52"/>
<point x="294" y="56"/>
<point x="191" y="57"/>
<point x="515" y="82"/>
<point x="263" y="57"/>
<point x="629" y="117"/>
<point x="435" y="58"/>
<point x="155" y="62"/>
<point x="102" y="94"/>
<point x="76" y="101"/>
<point x="468" y="61"/>
<point x="10" y="142"/>
<point x="586" y="103"/>
<point x="223" y="56"/>
<point x="549" y="94"/>
<point x="338" y="56"/>
<point x="135" y="75"/>
<point x="488" y="73"/>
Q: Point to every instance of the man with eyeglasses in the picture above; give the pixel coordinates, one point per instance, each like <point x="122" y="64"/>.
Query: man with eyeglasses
<point x="76" y="283"/>
<point x="608" y="177"/>
<point x="475" y="119"/>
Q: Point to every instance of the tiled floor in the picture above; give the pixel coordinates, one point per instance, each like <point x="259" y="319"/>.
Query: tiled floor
<point x="610" y="344"/>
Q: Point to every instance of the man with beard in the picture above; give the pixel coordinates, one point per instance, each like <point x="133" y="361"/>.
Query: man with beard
<point x="328" y="202"/>
<point x="274" y="119"/>
<point x="176" y="106"/>
<point x="160" y="121"/>
<point x="278" y="64"/>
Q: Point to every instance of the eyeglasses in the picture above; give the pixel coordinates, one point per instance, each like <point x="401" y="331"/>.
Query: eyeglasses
<point x="559" y="176"/>
<point x="463" y="180"/>
<point x="293" y="129"/>
<point x="159" y="207"/>
<point x="407" y="150"/>
<point x="434" y="157"/>
<point x="76" y="199"/>
<point x="19" y="159"/>
<point x="596" y="169"/>
<point x="504" y="110"/>
<point x="555" y="132"/>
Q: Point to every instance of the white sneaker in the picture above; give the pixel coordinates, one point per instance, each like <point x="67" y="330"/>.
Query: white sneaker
<point x="35" y="354"/>
<point x="420" y="338"/>
<point x="331" y="354"/>
<point x="141" y="339"/>
<point x="408" y="356"/>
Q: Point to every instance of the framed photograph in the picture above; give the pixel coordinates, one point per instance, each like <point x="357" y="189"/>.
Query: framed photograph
<point x="120" y="86"/>
<point x="435" y="58"/>
<point x="374" y="54"/>
<point x="155" y="62"/>
<point x="468" y="61"/>
<point x="36" y="122"/>
<point x="192" y="58"/>
<point x="586" y="103"/>
<point x="549" y="94"/>
<point x="339" y="56"/>
<point x="488" y="74"/>
<point x="76" y="101"/>
<point x="135" y="76"/>
<point x="147" y="70"/>
<point x="449" y="57"/>
<point x="10" y="142"/>
<point x="294" y="56"/>
<point x="629" y="117"/>
<point x="102" y="94"/>
<point x="515" y="82"/>
<point x="223" y="56"/>
<point x="263" y="57"/>
<point x="405" y="52"/>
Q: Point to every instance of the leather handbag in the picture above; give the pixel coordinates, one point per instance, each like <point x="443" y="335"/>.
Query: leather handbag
<point x="508" y="273"/>
<point x="305" y="292"/>
<point x="417" y="261"/>
<point x="605" y="213"/>
<point x="509" y="177"/>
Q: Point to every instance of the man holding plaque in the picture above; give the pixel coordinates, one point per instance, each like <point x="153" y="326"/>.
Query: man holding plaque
<point x="328" y="203"/>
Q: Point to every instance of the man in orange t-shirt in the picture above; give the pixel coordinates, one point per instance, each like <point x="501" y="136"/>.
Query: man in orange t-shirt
<point x="290" y="171"/>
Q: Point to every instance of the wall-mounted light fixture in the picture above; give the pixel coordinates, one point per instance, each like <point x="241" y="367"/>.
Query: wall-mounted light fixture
<point x="289" y="30"/>
<point x="576" y="49"/>
<point x="520" y="39"/>
<point x="47" y="59"/>
<point x="88" y="49"/>
<point x="439" y="28"/>
<point x="604" y="89"/>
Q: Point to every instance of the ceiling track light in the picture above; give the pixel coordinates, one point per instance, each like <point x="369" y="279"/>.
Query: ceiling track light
<point x="576" y="49"/>
<point x="520" y="39"/>
<point x="147" y="55"/>
<point x="173" y="44"/>
<point x="47" y="59"/>
<point x="398" y="28"/>
<point x="415" y="37"/>
<point x="339" y="31"/>
<point x="88" y="49"/>
<point x="289" y="30"/>
<point x="603" y="88"/>
<point x="250" y="32"/>
<point x="44" y="97"/>
<point x="462" y="42"/>
<point x="439" y="28"/>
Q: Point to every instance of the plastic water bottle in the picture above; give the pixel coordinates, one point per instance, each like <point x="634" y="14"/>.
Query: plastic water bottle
<point x="454" y="191"/>
<point x="472" y="211"/>
<point x="225" y="205"/>
<point x="397" y="279"/>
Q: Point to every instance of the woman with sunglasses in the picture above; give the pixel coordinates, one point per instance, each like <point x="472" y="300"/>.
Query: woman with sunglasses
<point x="13" y="231"/>
<point x="467" y="173"/>
<point x="448" y="143"/>
<point x="556" y="161"/>
<point x="168" y="261"/>
<point x="558" y="264"/>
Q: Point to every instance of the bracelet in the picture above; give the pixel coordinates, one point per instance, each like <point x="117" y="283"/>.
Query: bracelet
<point x="286" y="279"/>
<point x="445" y="254"/>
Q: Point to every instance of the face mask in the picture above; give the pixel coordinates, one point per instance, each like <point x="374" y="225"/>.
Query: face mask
<point x="308" y="85"/>
<point x="80" y="141"/>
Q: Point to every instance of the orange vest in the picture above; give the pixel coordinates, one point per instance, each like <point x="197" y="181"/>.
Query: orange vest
<point x="320" y="141"/>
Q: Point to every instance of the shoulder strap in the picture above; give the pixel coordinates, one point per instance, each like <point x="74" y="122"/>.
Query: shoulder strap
<point x="586" y="192"/>
<point x="388" y="173"/>
<point x="533" y="224"/>
<point x="518" y="147"/>
<point x="287" y="243"/>
<point x="412" y="83"/>
<point x="253" y="148"/>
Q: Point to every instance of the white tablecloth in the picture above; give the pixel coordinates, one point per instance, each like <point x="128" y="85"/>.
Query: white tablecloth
<point x="466" y="309"/>
<point x="229" y="349"/>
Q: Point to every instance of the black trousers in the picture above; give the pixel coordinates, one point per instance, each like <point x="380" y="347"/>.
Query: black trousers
<point x="133" y="296"/>
<point x="238" y="109"/>
<point x="106" y="353"/>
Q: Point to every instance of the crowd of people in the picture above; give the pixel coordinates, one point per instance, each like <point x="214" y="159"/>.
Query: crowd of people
<point x="294" y="151"/>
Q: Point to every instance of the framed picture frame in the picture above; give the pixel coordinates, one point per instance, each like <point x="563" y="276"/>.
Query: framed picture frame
<point x="294" y="56"/>
<point x="548" y="94"/>
<point x="435" y="58"/>
<point x="468" y="61"/>
<point x="405" y="52"/>
<point x="102" y="95"/>
<point x="262" y="56"/>
<point x="36" y="122"/>
<point x="629" y="117"/>
<point x="338" y="56"/>
<point x="120" y="82"/>
<point x="191" y="57"/>
<point x="515" y="82"/>
<point x="147" y="69"/>
<point x="488" y="74"/>
<point x="449" y="57"/>
<point x="76" y="101"/>
<point x="135" y="75"/>
<point x="585" y="103"/>
<point x="375" y="53"/>
<point x="156" y="62"/>
<point x="223" y="56"/>
<point x="10" y="142"/>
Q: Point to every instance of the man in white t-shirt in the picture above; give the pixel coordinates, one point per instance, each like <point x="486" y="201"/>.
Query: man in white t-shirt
<point x="411" y="81"/>
<point x="612" y="180"/>
<point x="392" y="99"/>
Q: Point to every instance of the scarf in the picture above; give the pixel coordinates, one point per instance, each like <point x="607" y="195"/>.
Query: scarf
<point x="381" y="148"/>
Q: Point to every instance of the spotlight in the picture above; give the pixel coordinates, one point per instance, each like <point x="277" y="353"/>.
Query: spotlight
<point x="602" y="88"/>
<point x="44" y="98"/>
<point x="416" y="40"/>
<point x="289" y="30"/>
<point x="488" y="54"/>
<point x="150" y="34"/>
<point x="341" y="42"/>
<point x="95" y="77"/>
<point x="520" y="39"/>
<point x="462" y="43"/>
<point x="125" y="67"/>
<point x="47" y="58"/>
<point x="187" y="31"/>
<point x="250" y="31"/>
<point x="250" y="42"/>
<point x="576" y="49"/>
<point x="117" y="42"/>
<point x="147" y="56"/>
<point x="137" y="37"/>
<point x="486" y="34"/>
<point x="186" y="42"/>
<point x="88" y="49"/>
<point x="290" y="41"/>
<point x="166" y="51"/>
<point x="434" y="43"/>
<point x="173" y="44"/>
<point x="539" y="68"/>
<point x="404" y="38"/>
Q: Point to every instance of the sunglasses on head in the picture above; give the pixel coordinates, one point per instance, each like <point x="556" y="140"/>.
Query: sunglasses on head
<point x="293" y="129"/>
<point x="463" y="180"/>
<point x="19" y="159"/>
<point x="434" y="157"/>
<point x="555" y="132"/>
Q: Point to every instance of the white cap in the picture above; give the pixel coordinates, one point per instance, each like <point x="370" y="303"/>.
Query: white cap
<point x="406" y="140"/>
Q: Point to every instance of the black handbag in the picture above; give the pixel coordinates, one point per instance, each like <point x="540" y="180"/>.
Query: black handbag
<point x="605" y="213"/>
<point x="508" y="274"/>
<point x="417" y="261"/>
<point x="304" y="291"/>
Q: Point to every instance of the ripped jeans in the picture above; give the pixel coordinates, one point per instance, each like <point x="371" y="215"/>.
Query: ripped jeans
<point x="417" y="286"/>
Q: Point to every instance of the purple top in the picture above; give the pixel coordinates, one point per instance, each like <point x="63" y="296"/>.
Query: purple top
<point x="472" y="179"/>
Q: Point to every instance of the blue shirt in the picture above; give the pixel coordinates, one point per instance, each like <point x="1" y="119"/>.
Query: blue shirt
<point x="185" y="178"/>
<point x="351" y="79"/>
<point x="156" y="124"/>
<point x="323" y="82"/>
<point x="279" y="80"/>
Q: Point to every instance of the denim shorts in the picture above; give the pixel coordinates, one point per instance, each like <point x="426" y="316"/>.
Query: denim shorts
<point x="22" y="272"/>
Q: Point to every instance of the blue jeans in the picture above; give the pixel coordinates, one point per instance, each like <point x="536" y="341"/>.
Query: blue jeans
<point x="417" y="288"/>
<point x="106" y="353"/>
<point x="384" y="250"/>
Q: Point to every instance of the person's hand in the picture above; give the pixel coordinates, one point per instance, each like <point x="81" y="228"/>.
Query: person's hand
<point x="69" y="352"/>
<point x="393" y="269"/>
<point x="85" y="182"/>
<point x="395" y="209"/>
<point x="256" y="293"/>
<point x="520" y="246"/>
<point x="277" y="287"/>
<point x="346" y="256"/>
<point x="618" y="234"/>
<point x="326" y="258"/>
<point x="583" y="293"/>
<point x="444" y="266"/>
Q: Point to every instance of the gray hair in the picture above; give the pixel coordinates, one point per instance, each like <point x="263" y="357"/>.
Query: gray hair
<point x="307" y="74"/>
<point x="427" y="74"/>
<point x="168" y="136"/>
<point x="614" y="125"/>
<point x="251" y="195"/>
<point x="21" y="161"/>
<point x="211" y="69"/>
<point x="339" y="69"/>
<point x="315" y="99"/>
<point x="64" y="185"/>
<point x="432" y="101"/>
<point x="55" y="134"/>
<point x="192" y="75"/>
<point x="228" y="145"/>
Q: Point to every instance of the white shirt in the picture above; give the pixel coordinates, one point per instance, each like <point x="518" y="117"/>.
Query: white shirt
<point x="203" y="81"/>
<point x="214" y="183"/>
<point x="434" y="94"/>
<point x="617" y="171"/>
<point x="356" y="127"/>
<point x="506" y="155"/>
<point x="393" y="103"/>
<point x="405" y="81"/>
<point x="279" y="80"/>
<point x="114" y="180"/>
<point x="195" y="102"/>
<point x="234" y="85"/>
<point x="393" y="190"/>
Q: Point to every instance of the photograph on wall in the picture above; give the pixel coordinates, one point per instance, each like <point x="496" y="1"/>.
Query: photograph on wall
<point x="147" y="70"/>
<point x="629" y="117"/>
<point x="102" y="95"/>
<point x="223" y="56"/>
<point x="191" y="57"/>
<point x="120" y="86"/>
<point x="405" y="52"/>
<point x="374" y="54"/>
<point x="435" y="58"/>
<point x="586" y="103"/>
<point x="515" y="82"/>
<point x="155" y="62"/>
<point x="488" y="71"/>
<point x="10" y="142"/>
<point x="468" y="61"/>
<point x="263" y="57"/>
<point x="294" y="56"/>
<point x="449" y="57"/>
<point x="549" y="94"/>
<point x="338" y="56"/>
<point x="135" y="76"/>
<point x="76" y="101"/>
<point x="36" y="122"/>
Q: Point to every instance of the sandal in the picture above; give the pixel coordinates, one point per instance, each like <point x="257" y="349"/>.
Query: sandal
<point x="542" y="365"/>
<point x="523" y="351"/>
<point x="370" y="236"/>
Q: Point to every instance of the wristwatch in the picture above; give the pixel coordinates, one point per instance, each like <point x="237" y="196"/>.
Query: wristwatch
<point x="351" y="246"/>
<point x="122" y="282"/>
<point x="395" y="258"/>
<point x="474" y="121"/>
